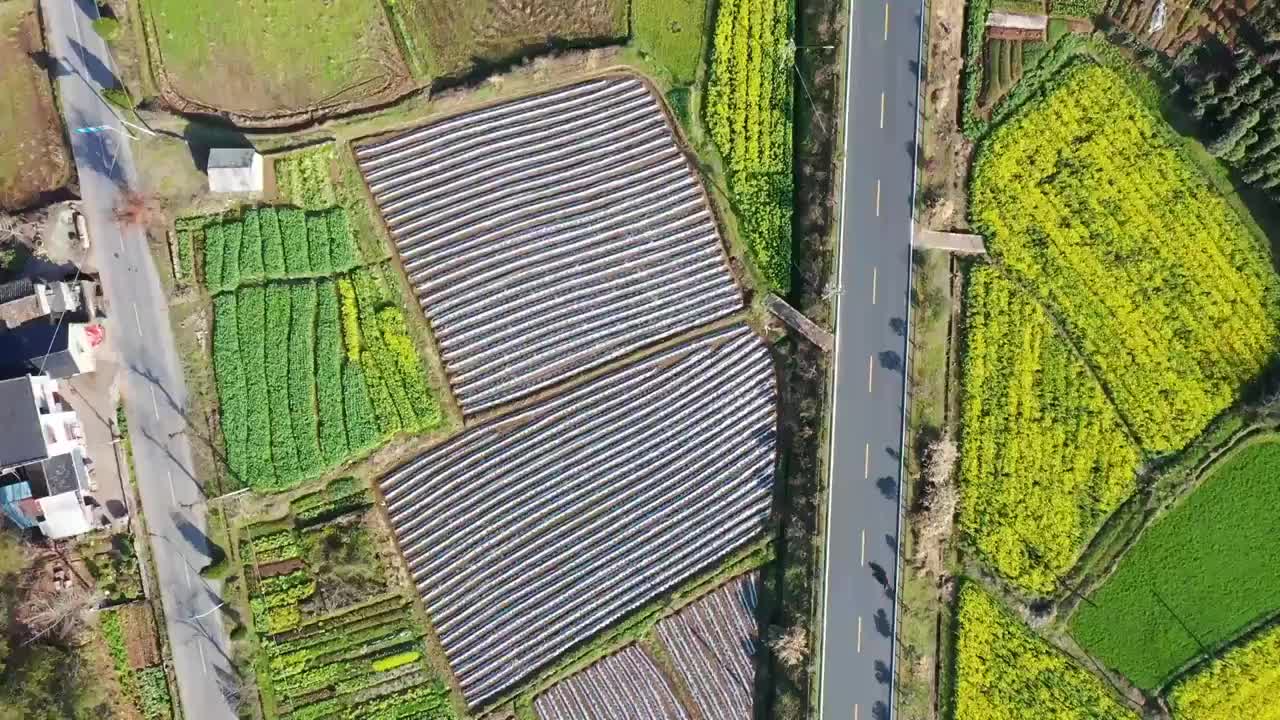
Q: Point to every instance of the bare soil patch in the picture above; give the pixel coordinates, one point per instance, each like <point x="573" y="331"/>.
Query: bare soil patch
<point x="140" y="640"/>
<point x="947" y="152"/>
<point x="33" y="154"/>
<point x="461" y="37"/>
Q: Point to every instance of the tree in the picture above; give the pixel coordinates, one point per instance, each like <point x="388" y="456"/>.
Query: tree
<point x="934" y="522"/>
<point x="60" y="614"/>
<point x="790" y="646"/>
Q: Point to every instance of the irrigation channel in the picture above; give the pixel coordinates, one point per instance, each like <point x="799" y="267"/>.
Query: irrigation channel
<point x="624" y="686"/>
<point x="549" y="235"/>
<point x="529" y="533"/>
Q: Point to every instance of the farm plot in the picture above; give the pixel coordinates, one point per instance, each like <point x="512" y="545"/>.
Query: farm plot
<point x="624" y="686"/>
<point x="712" y="643"/>
<point x="1004" y="670"/>
<point x="527" y="534"/>
<point x="33" y="158"/>
<point x="270" y="58"/>
<point x="1031" y="411"/>
<point x="338" y="638"/>
<point x="549" y="235"/>
<point x="1197" y="578"/>
<point x="451" y="38"/>
<point x="311" y="354"/>
<point x="1090" y="202"/>
<point x="1242" y="683"/>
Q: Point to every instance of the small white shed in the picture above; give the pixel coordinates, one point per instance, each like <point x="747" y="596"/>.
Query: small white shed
<point x="235" y="170"/>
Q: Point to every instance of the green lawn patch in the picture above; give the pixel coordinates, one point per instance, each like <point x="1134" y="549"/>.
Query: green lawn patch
<point x="1197" y="578"/>
<point x="277" y="55"/>
<point x="671" y="32"/>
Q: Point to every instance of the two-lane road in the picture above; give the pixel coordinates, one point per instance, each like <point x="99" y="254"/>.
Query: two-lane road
<point x="153" y="387"/>
<point x="873" y="277"/>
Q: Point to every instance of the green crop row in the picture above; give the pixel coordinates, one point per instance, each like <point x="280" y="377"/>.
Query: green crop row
<point x="748" y="111"/>
<point x="293" y="403"/>
<point x="303" y="178"/>
<point x="277" y="243"/>
<point x="342" y="495"/>
<point x="153" y="692"/>
<point x="184" y="246"/>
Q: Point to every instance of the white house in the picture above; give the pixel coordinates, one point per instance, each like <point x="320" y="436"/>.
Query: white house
<point x="235" y="170"/>
<point x="43" y="475"/>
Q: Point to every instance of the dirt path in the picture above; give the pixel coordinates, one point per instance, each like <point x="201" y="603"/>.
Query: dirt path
<point x="946" y="150"/>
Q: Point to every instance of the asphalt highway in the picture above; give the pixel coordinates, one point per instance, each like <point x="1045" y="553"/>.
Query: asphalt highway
<point x="872" y="296"/>
<point x="152" y="385"/>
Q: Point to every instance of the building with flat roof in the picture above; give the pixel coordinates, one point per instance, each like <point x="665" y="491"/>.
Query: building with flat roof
<point x="44" y="473"/>
<point x="235" y="170"/>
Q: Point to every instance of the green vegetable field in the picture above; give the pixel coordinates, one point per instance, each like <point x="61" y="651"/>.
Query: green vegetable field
<point x="295" y="401"/>
<point x="1044" y="457"/>
<point x="671" y="31"/>
<point x="748" y="111"/>
<point x="1003" y="671"/>
<point x="1210" y="567"/>
<point x="1086" y="198"/>
<point x="1243" y="683"/>
<point x="326" y="655"/>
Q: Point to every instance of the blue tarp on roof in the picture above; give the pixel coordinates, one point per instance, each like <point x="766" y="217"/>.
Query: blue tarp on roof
<point x="10" y="496"/>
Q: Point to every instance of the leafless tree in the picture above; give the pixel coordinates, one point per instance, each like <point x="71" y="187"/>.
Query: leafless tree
<point x="790" y="646"/>
<point x="933" y="524"/>
<point x="138" y="210"/>
<point x="60" y="613"/>
<point x="23" y="228"/>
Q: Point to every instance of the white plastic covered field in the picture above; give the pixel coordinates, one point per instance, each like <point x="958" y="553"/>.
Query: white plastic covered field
<point x="527" y="534"/>
<point x="713" y="643"/>
<point x="549" y="235"/>
<point x="624" y="686"/>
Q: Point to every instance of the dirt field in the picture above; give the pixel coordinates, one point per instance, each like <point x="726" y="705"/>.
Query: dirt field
<point x="946" y="151"/>
<point x="275" y="57"/>
<point x="140" y="635"/>
<point x="33" y="157"/>
<point x="456" y="36"/>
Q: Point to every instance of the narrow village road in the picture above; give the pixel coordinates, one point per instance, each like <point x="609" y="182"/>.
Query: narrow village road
<point x="152" y="385"/>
